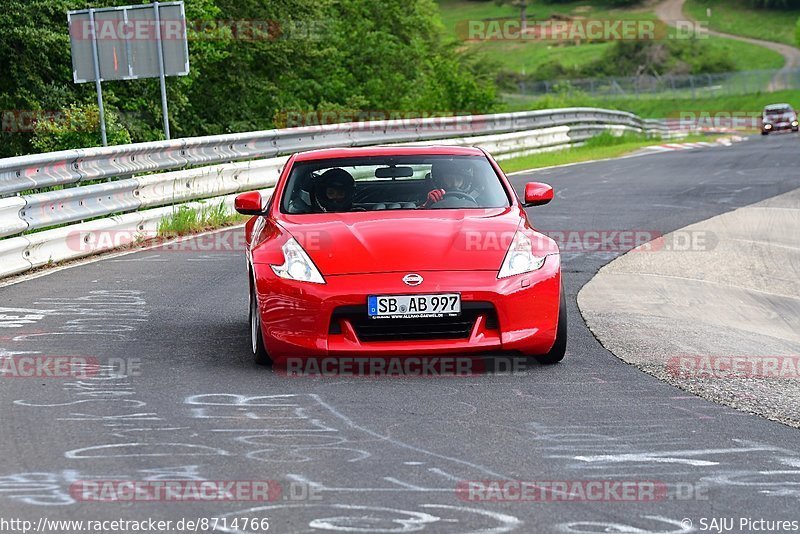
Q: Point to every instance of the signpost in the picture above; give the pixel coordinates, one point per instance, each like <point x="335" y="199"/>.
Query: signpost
<point x="129" y="43"/>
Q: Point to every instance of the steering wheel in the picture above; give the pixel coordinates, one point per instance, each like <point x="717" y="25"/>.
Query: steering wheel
<point x="458" y="194"/>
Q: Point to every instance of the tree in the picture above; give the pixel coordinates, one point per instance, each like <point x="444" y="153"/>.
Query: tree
<point x="315" y="55"/>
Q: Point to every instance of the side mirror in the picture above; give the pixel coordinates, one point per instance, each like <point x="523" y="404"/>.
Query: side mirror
<point x="249" y="203"/>
<point x="537" y="194"/>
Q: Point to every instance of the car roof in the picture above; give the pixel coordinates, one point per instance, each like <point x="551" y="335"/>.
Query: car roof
<point x="356" y="152"/>
<point x="778" y="106"/>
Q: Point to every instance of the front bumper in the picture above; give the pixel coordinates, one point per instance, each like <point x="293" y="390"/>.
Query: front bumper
<point x="779" y="127"/>
<point x="296" y="317"/>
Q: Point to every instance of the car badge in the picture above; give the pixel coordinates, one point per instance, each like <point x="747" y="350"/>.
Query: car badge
<point x="412" y="279"/>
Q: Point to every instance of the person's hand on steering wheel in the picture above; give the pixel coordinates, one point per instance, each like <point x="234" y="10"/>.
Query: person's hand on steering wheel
<point x="434" y="196"/>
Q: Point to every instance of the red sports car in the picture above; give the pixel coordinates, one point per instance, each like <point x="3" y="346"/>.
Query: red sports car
<point x="400" y="251"/>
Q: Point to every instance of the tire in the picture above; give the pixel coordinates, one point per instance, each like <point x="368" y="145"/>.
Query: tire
<point x="559" y="349"/>
<point x="256" y="336"/>
<point x="764" y="133"/>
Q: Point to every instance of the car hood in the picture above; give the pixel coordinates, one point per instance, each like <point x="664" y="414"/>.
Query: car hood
<point x="406" y="241"/>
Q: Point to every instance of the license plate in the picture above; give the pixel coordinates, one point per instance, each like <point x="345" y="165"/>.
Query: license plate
<point x="414" y="306"/>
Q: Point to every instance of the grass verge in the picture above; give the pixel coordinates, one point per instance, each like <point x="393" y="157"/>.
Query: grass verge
<point x="528" y="56"/>
<point x="739" y="18"/>
<point x="186" y="220"/>
<point x="602" y="146"/>
<point x="658" y="108"/>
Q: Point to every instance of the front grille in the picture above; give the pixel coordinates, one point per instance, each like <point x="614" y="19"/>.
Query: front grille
<point x="368" y="329"/>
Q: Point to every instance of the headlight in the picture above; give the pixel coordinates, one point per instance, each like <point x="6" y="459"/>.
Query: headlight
<point x="520" y="258"/>
<point x="297" y="265"/>
<point x="767" y="126"/>
<point x="795" y="123"/>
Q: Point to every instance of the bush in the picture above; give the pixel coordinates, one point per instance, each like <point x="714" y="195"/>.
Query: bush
<point x="649" y="58"/>
<point x="77" y="127"/>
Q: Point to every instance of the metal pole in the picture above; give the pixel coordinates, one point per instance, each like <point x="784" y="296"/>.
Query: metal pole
<point x="160" y="48"/>
<point x="98" y="85"/>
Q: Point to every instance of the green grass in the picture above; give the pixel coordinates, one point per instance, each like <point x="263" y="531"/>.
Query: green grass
<point x="186" y="220"/>
<point x="528" y="56"/>
<point x="738" y="18"/>
<point x="747" y="56"/>
<point x="659" y="108"/>
<point x="603" y="146"/>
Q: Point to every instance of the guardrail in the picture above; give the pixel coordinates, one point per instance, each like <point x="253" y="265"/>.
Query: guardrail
<point x="130" y="201"/>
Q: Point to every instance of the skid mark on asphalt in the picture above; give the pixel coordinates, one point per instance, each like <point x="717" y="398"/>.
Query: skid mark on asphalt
<point x="360" y="518"/>
<point x="114" y="313"/>
<point x="19" y="317"/>
<point x="53" y="489"/>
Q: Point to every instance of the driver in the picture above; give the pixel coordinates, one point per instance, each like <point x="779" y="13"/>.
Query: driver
<point x="447" y="176"/>
<point x="333" y="191"/>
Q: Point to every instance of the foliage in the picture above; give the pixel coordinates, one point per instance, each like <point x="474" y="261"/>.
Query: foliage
<point x="742" y="17"/>
<point x="77" y="127"/>
<point x="388" y="55"/>
<point x="651" y="58"/>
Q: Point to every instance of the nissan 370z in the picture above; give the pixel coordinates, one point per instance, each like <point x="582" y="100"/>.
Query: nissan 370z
<point x="400" y="251"/>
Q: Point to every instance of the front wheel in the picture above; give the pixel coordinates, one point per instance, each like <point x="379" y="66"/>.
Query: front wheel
<point x="256" y="337"/>
<point x="559" y="349"/>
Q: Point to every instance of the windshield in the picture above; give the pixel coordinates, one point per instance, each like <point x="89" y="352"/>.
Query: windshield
<point x="778" y="111"/>
<point x="380" y="183"/>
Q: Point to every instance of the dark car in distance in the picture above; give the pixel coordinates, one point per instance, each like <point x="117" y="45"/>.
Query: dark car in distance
<point x="778" y="117"/>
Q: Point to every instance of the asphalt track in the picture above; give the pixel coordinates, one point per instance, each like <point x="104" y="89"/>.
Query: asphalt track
<point x="385" y="454"/>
